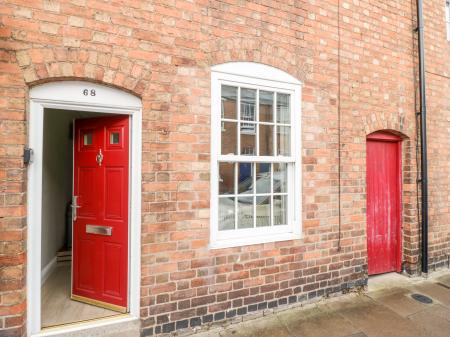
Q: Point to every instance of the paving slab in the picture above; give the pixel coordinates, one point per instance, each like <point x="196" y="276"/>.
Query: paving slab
<point x="435" y="291"/>
<point x="376" y="320"/>
<point x="269" y="326"/>
<point x="444" y="279"/>
<point x="385" y="281"/>
<point x="317" y="323"/>
<point x="433" y="322"/>
<point x="399" y="301"/>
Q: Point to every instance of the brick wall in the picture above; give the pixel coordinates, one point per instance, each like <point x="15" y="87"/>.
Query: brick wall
<point x="438" y="95"/>
<point x="361" y="65"/>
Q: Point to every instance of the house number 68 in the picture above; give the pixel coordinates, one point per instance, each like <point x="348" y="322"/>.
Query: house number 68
<point x="87" y="92"/>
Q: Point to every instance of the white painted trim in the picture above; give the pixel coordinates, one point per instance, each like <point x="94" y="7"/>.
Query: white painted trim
<point x="246" y="241"/>
<point x="258" y="76"/>
<point x="48" y="270"/>
<point x="255" y="71"/>
<point x="68" y="95"/>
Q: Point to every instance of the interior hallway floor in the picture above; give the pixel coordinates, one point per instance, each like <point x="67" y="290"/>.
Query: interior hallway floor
<point x="56" y="306"/>
<point x="386" y="310"/>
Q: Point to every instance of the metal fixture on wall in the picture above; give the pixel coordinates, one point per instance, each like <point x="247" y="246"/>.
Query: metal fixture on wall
<point x="423" y="139"/>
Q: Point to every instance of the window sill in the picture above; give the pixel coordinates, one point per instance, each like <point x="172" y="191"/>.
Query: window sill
<point x="238" y="242"/>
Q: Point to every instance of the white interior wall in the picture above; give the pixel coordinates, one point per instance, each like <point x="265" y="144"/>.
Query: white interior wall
<point x="56" y="179"/>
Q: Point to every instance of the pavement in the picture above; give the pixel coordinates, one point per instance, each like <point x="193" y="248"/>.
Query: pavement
<point x="386" y="309"/>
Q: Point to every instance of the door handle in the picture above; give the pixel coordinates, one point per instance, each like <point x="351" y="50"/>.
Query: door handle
<point x="74" y="206"/>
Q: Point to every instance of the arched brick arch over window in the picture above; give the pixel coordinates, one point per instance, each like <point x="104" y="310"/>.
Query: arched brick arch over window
<point x="294" y="60"/>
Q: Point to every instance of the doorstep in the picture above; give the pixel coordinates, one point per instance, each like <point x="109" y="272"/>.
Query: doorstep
<point x="124" y="326"/>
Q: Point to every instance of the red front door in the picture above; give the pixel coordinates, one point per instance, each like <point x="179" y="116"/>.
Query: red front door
<point x="100" y="226"/>
<point x="383" y="203"/>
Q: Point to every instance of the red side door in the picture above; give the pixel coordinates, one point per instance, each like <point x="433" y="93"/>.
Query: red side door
<point x="383" y="203"/>
<point x="100" y="227"/>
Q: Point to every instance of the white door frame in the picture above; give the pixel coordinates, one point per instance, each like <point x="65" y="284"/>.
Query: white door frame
<point x="80" y="96"/>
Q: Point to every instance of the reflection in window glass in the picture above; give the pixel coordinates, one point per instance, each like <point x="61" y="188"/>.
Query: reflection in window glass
<point x="245" y="212"/>
<point x="263" y="178"/>
<point x="229" y="138"/>
<point x="265" y="140"/>
<point x="265" y="106"/>
<point x="279" y="209"/>
<point x="263" y="211"/>
<point x="226" y="213"/>
<point x="229" y="102"/>
<point x="279" y="178"/>
<point x="283" y="140"/>
<point x="248" y="144"/>
<point x="248" y="103"/>
<point x="245" y="178"/>
<point x="283" y="108"/>
<point x="226" y="178"/>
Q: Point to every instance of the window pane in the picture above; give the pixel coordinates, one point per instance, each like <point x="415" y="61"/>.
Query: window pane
<point x="245" y="212"/>
<point x="229" y="102"/>
<point x="114" y="138"/>
<point x="229" y="138"/>
<point x="226" y="178"/>
<point x="248" y="144"/>
<point x="283" y="108"/>
<point x="265" y="140"/>
<point x="265" y="106"/>
<point x="279" y="209"/>
<point x="263" y="211"/>
<point x="248" y="103"/>
<point x="280" y="178"/>
<point x="245" y="178"/>
<point x="226" y="213"/>
<point x="283" y="140"/>
<point x="87" y="139"/>
<point x="262" y="178"/>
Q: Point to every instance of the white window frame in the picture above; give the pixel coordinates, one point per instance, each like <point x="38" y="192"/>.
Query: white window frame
<point x="260" y="76"/>
<point x="447" y="18"/>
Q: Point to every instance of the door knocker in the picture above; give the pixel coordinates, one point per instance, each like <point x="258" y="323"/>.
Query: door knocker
<point x="99" y="157"/>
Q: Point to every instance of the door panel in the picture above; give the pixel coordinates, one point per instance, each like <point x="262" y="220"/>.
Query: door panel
<point x="100" y="230"/>
<point x="383" y="206"/>
<point x="114" y="193"/>
<point x="86" y="279"/>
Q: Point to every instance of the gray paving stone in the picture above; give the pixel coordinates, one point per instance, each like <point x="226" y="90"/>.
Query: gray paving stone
<point x="433" y="322"/>
<point x="269" y="326"/>
<point x="435" y="291"/>
<point x="317" y="323"/>
<point x="400" y="302"/>
<point x="376" y="320"/>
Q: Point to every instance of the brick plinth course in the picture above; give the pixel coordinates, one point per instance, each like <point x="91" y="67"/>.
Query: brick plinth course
<point x="356" y="60"/>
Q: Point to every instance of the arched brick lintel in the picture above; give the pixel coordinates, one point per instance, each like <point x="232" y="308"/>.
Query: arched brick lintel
<point x="387" y="135"/>
<point x="40" y="65"/>
<point x="294" y="60"/>
<point x="394" y="126"/>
